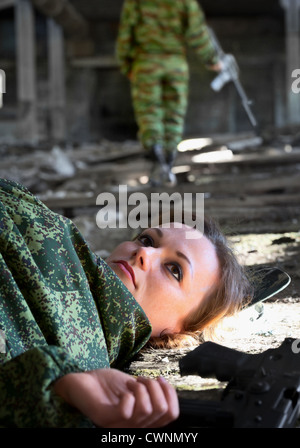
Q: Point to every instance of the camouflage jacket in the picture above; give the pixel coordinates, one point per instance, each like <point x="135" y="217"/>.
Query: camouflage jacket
<point x="162" y="27"/>
<point x="62" y="310"/>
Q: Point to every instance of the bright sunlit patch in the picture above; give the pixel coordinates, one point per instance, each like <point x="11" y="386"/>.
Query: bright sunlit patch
<point x="193" y="143"/>
<point x="132" y="182"/>
<point x="214" y="156"/>
<point x="288" y="148"/>
<point x="181" y="169"/>
<point x="144" y="179"/>
<point x="271" y="320"/>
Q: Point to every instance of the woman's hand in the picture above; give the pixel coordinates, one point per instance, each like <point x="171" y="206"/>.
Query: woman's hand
<point x="113" y="399"/>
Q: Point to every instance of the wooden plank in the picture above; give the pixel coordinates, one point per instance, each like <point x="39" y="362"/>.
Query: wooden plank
<point x="88" y="199"/>
<point x="243" y="184"/>
<point x="75" y="26"/>
<point x="255" y="201"/>
<point x="249" y="184"/>
<point x="56" y="66"/>
<point x="7" y="3"/>
<point x="66" y="15"/>
<point x="26" y="71"/>
<point x="108" y="62"/>
<point x="262" y="157"/>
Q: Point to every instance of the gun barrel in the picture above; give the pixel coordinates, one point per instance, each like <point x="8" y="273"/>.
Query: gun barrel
<point x="212" y="360"/>
<point x="245" y="102"/>
<point x="203" y="414"/>
<point x="216" y="43"/>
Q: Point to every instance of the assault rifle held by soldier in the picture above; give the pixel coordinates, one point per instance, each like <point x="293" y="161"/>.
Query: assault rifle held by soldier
<point x="263" y="390"/>
<point x="230" y="72"/>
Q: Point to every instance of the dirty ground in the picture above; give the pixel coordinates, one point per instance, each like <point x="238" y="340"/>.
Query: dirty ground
<point x="252" y="189"/>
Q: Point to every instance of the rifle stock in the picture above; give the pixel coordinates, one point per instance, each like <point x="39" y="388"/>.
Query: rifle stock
<point x="263" y="389"/>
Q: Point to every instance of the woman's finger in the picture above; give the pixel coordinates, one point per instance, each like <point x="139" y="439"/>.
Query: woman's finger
<point x="164" y="401"/>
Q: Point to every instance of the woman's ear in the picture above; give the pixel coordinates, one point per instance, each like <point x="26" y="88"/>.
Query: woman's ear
<point x="171" y="331"/>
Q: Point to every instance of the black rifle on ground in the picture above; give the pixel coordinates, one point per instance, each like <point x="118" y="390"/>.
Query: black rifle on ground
<point x="230" y="72"/>
<point x="263" y="389"/>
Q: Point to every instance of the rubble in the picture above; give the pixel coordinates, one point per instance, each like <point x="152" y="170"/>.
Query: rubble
<point x="254" y="195"/>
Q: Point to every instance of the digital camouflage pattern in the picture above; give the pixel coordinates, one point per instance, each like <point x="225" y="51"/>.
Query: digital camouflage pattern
<point x="151" y="49"/>
<point x="62" y="310"/>
<point x="162" y="27"/>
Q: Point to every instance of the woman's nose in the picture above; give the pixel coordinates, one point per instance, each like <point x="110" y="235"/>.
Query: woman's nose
<point x="145" y="256"/>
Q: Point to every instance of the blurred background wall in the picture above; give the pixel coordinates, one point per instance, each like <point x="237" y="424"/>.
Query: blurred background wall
<point x="91" y="99"/>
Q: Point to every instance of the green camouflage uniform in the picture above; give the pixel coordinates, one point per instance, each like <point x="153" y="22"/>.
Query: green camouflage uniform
<point x="151" y="48"/>
<point x="62" y="310"/>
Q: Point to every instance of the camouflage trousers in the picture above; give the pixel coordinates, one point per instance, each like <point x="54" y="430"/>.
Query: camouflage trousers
<point x="159" y="88"/>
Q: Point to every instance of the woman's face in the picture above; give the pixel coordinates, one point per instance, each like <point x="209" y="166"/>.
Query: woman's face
<point x="168" y="274"/>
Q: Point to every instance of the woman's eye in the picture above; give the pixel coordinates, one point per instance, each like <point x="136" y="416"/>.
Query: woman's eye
<point x="146" y="240"/>
<point x="175" y="270"/>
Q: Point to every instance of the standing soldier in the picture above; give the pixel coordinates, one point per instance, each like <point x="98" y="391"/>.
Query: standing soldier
<point x="151" y="50"/>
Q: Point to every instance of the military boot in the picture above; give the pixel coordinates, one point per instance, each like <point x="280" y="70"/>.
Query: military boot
<point x="159" y="172"/>
<point x="171" y="156"/>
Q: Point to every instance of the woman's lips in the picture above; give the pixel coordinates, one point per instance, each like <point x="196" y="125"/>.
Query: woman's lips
<point x="127" y="269"/>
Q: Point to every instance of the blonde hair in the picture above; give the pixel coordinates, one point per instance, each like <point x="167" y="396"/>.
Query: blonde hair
<point x="229" y="296"/>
